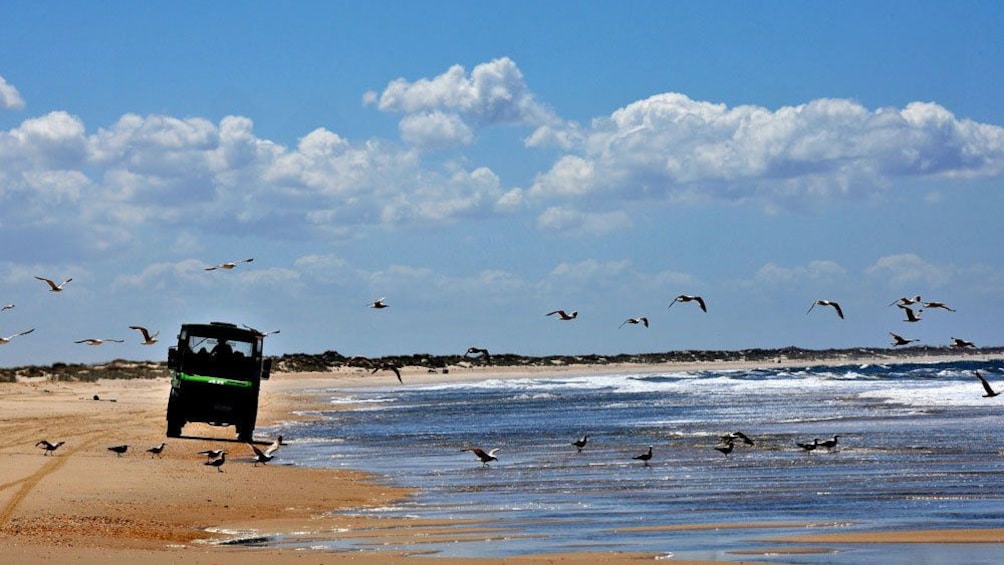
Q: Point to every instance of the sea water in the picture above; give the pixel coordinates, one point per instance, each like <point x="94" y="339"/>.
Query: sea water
<point x="919" y="448"/>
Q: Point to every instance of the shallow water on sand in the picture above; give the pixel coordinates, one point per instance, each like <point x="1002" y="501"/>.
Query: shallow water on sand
<point x="919" y="448"/>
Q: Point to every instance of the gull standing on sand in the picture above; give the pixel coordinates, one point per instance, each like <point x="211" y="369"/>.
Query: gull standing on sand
<point x="911" y="316"/>
<point x="156" y="450"/>
<point x="726" y="448"/>
<point x="218" y="463"/>
<point x="898" y="340"/>
<point x="119" y="449"/>
<point x="51" y="447"/>
<point x="642" y="320"/>
<point x="95" y="341"/>
<point x="689" y="298"/>
<point x="831" y="303"/>
<point x="148" y="338"/>
<point x="485" y="458"/>
<point x="7" y="339"/>
<point x="986" y="386"/>
<point x="581" y="442"/>
<point x="562" y="315"/>
<point x="53" y="287"/>
<point x="211" y="453"/>
<point x="809" y="447"/>
<point x="228" y="265"/>
<point x="830" y="443"/>
<point x="645" y="457"/>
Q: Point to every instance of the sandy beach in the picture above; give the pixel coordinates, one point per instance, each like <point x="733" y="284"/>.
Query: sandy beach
<point x="87" y="505"/>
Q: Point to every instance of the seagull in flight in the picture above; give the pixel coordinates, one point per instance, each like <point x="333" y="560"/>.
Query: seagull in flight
<point x="48" y="446"/>
<point x="389" y="367"/>
<point x="379" y="303"/>
<point x="262" y="456"/>
<point x="211" y="453"/>
<point x="906" y="301"/>
<point x="229" y="265"/>
<point x="732" y="436"/>
<point x="53" y="287"/>
<point x="260" y="333"/>
<point x="911" y="316"/>
<point x="986" y="386"/>
<point x="959" y="342"/>
<point x="7" y="339"/>
<point x="484" y="457"/>
<point x="581" y="442"/>
<point x="642" y="320"/>
<point x="95" y="341"/>
<point x="898" y="340"/>
<point x="827" y="303"/>
<point x="726" y="448"/>
<point x="645" y="457"/>
<point x="562" y="315"/>
<point x="938" y="305"/>
<point x="689" y="298"/>
<point x="6" y="307"/>
<point x="483" y="352"/>
<point x="148" y="338"/>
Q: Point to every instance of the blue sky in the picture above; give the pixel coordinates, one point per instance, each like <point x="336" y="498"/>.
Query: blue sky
<point x="481" y="165"/>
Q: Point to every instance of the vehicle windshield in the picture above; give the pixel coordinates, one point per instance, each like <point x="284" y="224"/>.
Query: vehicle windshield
<point x="220" y="357"/>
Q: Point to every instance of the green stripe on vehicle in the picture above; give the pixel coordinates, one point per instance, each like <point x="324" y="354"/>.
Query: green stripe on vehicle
<point x="214" y="380"/>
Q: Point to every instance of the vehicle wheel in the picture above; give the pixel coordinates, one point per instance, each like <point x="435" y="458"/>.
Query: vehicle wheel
<point x="175" y="419"/>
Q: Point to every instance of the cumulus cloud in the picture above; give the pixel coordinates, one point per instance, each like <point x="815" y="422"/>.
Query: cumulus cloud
<point x="576" y="222"/>
<point x="10" y="98"/>
<point x="444" y="106"/>
<point x="821" y="270"/>
<point x="669" y="145"/>
<point x="909" y="270"/>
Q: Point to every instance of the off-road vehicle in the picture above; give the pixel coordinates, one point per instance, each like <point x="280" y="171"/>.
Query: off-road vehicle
<point x="216" y="373"/>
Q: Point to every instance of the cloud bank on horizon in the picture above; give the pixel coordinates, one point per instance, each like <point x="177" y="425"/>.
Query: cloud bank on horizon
<point x="165" y="187"/>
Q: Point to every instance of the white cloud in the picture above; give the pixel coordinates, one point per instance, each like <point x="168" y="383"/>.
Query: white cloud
<point x="669" y="144"/>
<point x="909" y="270"/>
<point x="10" y="98"/>
<point x="435" y="129"/>
<point x="821" y="270"/>
<point x="575" y="222"/>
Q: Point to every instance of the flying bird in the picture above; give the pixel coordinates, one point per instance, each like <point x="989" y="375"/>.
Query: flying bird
<point x="726" y="448"/>
<point x="119" y="449"/>
<point x="642" y="320"/>
<point x="260" y="333"/>
<point x="911" y="316"/>
<point x="581" y="442"/>
<point x="7" y="339"/>
<point x="732" y="436"/>
<point x="938" y="305"/>
<point x="645" y="457"/>
<point x="689" y="298"/>
<point x="898" y="340"/>
<point x="276" y="444"/>
<point x="6" y="307"/>
<point x="48" y="446"/>
<point x="148" y="338"/>
<point x="218" y="463"/>
<point x="562" y="315"/>
<point x="484" y="457"/>
<point x="95" y="341"/>
<point x="229" y="265"/>
<point x="827" y="303"/>
<point x="262" y="456"/>
<point x="53" y="287"/>
<point x="905" y="301"/>
<point x="389" y="367"/>
<point x="379" y="303"/>
<point x="986" y="386"/>
<point x="485" y="355"/>
<point x="959" y="342"/>
<point x="211" y="453"/>
<point x="157" y="449"/>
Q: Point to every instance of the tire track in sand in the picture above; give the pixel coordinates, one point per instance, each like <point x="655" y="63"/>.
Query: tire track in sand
<point x="31" y="481"/>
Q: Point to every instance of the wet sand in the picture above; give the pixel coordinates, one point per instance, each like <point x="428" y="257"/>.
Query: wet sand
<point x="83" y="503"/>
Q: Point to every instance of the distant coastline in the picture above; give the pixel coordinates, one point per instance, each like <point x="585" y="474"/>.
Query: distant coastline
<point x="330" y="361"/>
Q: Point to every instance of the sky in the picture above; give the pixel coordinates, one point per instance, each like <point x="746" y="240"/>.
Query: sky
<point x="480" y="165"/>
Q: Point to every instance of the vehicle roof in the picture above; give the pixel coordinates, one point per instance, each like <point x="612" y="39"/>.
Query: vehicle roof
<point x="221" y="329"/>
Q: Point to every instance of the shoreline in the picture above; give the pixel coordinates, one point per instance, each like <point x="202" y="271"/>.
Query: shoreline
<point x="85" y="502"/>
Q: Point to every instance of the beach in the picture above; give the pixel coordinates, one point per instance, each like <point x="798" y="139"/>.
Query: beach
<point x="86" y="504"/>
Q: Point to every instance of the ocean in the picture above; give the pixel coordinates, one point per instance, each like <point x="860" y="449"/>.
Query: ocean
<point x="919" y="448"/>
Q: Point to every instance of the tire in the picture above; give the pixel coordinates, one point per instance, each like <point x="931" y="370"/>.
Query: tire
<point x="175" y="418"/>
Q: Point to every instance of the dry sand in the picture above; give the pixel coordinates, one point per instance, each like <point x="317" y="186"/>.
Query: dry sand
<point x="87" y="505"/>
